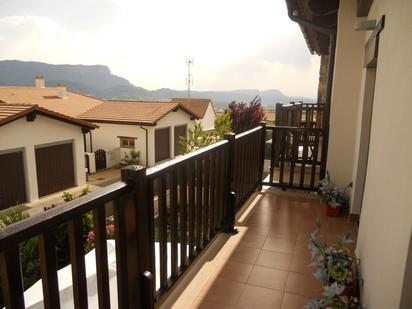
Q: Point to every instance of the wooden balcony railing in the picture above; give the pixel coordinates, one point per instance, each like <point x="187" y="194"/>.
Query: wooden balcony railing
<point x="44" y="226"/>
<point x="295" y="157"/>
<point x="305" y="115"/>
<point x="169" y="212"/>
<point x="248" y="163"/>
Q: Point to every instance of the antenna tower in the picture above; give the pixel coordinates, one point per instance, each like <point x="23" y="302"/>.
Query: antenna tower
<point x="189" y="78"/>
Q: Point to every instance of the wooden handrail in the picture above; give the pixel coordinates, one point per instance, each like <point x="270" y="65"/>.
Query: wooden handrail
<point x="246" y="133"/>
<point x="36" y="225"/>
<point x="166" y="166"/>
<point x="294" y="128"/>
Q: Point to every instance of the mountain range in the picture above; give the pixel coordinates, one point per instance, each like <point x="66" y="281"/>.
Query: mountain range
<point x="98" y="81"/>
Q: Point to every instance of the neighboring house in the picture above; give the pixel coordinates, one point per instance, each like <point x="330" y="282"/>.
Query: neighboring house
<point x="202" y="108"/>
<point x="41" y="152"/>
<point x="56" y="99"/>
<point x="370" y="131"/>
<point x="152" y="128"/>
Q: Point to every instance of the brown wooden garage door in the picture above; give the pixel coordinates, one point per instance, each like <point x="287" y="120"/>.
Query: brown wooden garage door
<point x="162" y="144"/>
<point x="12" y="183"/>
<point x="180" y="131"/>
<point x="55" y="168"/>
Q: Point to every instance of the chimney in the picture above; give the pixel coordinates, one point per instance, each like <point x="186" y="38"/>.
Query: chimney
<point x="61" y="91"/>
<point x="39" y="81"/>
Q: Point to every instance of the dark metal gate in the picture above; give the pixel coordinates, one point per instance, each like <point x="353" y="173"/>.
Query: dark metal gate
<point x="100" y="157"/>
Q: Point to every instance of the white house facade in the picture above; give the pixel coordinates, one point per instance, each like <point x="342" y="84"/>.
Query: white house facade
<point x="202" y="108"/>
<point x="152" y="128"/>
<point x="41" y="152"/>
<point x="208" y="120"/>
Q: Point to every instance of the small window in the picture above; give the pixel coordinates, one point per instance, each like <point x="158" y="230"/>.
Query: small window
<point x="127" y="142"/>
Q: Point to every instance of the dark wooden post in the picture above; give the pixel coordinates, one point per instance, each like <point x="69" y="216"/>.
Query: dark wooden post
<point x="231" y="197"/>
<point x="48" y="267"/>
<point x="78" y="263"/>
<point x="11" y="277"/>
<point x="135" y="176"/>
<point x="147" y="290"/>
<point x="278" y="114"/>
<point x="262" y="153"/>
<point x="278" y="122"/>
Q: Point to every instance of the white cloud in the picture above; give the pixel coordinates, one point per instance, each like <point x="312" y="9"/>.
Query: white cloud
<point x="235" y="44"/>
<point x="42" y="39"/>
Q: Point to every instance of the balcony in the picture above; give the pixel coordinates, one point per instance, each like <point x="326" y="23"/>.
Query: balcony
<point x="265" y="265"/>
<point x="170" y="217"/>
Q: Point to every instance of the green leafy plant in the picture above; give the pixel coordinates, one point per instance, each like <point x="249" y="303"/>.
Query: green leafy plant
<point x="15" y="215"/>
<point x="67" y="196"/>
<point x="223" y="124"/>
<point x="196" y="138"/>
<point x="86" y="190"/>
<point x="131" y="158"/>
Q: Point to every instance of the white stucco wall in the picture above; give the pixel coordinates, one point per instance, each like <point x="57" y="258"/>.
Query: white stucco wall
<point x="344" y="105"/>
<point x="208" y="121"/>
<point x="171" y="120"/>
<point x="106" y="137"/>
<point x="386" y="216"/>
<point x="25" y="135"/>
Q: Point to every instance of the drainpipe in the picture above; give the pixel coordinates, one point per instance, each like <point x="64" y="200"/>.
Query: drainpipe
<point x="84" y="140"/>
<point x="332" y="48"/>
<point x="147" y="146"/>
<point x="91" y="141"/>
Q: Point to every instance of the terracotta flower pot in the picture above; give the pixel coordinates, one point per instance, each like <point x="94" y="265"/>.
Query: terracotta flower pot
<point x="348" y="291"/>
<point x="333" y="211"/>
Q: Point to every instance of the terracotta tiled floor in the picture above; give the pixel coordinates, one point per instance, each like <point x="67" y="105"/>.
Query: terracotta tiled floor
<point x="269" y="267"/>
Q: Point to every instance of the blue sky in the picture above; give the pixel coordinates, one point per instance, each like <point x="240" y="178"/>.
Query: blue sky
<point x="235" y="44"/>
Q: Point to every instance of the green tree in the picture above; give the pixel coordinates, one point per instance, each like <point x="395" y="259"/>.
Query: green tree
<point x="198" y="138"/>
<point x="223" y="124"/>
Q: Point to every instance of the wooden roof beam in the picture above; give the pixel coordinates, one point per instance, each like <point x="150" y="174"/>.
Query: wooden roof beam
<point x="321" y="7"/>
<point x="363" y="7"/>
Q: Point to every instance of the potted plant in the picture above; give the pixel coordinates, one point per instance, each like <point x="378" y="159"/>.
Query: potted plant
<point x="334" y="197"/>
<point x="131" y="158"/>
<point x="334" y="268"/>
<point x="333" y="298"/>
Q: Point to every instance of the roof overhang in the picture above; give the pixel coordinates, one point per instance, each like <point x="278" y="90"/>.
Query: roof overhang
<point x="321" y="12"/>
<point x="183" y="108"/>
<point x="186" y="103"/>
<point x="32" y="110"/>
<point x="126" y="122"/>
